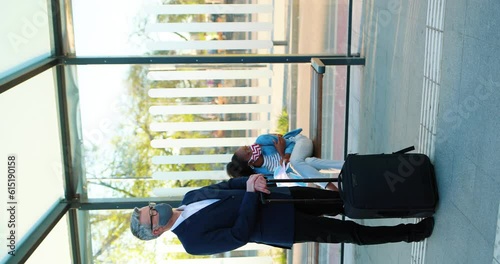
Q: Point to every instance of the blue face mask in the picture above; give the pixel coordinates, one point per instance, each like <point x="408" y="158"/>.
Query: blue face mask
<point x="165" y="211"/>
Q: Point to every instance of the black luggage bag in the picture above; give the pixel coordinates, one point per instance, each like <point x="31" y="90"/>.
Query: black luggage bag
<point x="388" y="185"/>
<point x="397" y="185"/>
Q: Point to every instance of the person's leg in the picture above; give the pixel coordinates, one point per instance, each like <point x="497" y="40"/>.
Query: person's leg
<point x="310" y="228"/>
<point x="335" y="207"/>
<point x="324" y="164"/>
<point x="303" y="149"/>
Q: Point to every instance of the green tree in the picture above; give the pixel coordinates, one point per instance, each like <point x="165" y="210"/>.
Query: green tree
<point x="283" y="125"/>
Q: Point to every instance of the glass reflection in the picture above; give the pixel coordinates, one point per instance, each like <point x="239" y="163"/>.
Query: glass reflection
<point x="30" y="131"/>
<point x="148" y="127"/>
<point x="196" y="28"/>
<point x="25" y="28"/>
<point x="55" y="248"/>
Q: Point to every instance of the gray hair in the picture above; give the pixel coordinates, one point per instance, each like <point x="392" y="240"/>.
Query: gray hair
<point x="139" y="230"/>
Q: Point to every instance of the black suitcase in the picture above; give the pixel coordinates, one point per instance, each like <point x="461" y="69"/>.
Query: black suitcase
<point x="394" y="185"/>
<point x="388" y="185"/>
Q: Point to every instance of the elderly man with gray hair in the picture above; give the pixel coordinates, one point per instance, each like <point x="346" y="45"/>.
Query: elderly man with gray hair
<point x="225" y="216"/>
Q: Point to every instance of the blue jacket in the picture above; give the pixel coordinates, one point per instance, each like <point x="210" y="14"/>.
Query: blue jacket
<point x="236" y="219"/>
<point x="266" y="141"/>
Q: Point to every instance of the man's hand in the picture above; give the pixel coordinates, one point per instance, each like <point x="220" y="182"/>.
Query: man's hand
<point x="257" y="182"/>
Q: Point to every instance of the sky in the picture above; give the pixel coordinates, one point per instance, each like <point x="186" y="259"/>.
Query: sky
<point x="106" y="28"/>
<point x="103" y="31"/>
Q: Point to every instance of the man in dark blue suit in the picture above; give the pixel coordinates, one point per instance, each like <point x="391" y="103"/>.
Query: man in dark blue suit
<point x="225" y="216"/>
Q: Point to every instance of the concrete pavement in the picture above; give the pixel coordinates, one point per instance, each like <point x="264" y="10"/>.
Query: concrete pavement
<point x="436" y="86"/>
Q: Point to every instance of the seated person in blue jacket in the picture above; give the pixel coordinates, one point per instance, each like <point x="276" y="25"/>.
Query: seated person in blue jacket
<point x="271" y="150"/>
<point x="225" y="216"/>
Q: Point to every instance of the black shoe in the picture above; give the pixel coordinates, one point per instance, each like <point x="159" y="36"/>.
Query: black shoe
<point x="421" y="230"/>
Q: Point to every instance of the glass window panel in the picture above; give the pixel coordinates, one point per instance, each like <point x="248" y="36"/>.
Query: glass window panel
<point x="150" y="127"/>
<point x="319" y="28"/>
<point x="334" y="106"/>
<point x="30" y="131"/>
<point x="256" y="27"/>
<point x="333" y="112"/>
<point x="356" y="80"/>
<point x="119" y="122"/>
<point x="357" y="28"/>
<point x="154" y="126"/>
<point x="25" y="28"/>
<point x="55" y="248"/>
<point x="107" y="28"/>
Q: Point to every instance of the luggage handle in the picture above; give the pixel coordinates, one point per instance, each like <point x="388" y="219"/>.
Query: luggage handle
<point x="263" y="200"/>
<point x="403" y="151"/>
<point x="304" y="180"/>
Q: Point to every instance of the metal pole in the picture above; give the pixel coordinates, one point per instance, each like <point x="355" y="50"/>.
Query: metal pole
<point x="26" y="73"/>
<point x="236" y="59"/>
<point x="349" y="29"/>
<point x="348" y="80"/>
<point x="122" y="203"/>
<point x="69" y="181"/>
<point x="346" y="140"/>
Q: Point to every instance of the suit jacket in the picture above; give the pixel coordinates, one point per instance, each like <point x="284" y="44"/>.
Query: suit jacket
<point x="236" y="219"/>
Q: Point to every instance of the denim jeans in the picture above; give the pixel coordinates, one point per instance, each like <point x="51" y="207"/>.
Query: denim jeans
<point x="307" y="166"/>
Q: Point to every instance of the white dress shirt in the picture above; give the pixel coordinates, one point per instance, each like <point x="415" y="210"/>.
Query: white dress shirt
<point x="191" y="209"/>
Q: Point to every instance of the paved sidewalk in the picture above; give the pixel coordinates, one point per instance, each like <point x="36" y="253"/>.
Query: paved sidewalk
<point x="386" y="115"/>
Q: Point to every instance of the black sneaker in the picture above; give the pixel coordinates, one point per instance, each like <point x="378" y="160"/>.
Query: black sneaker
<point x="421" y="230"/>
